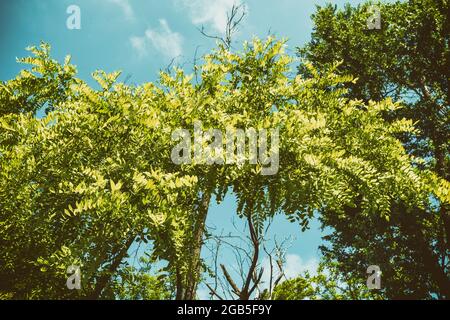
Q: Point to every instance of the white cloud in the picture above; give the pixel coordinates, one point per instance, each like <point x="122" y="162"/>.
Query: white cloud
<point x="293" y="267"/>
<point x="163" y="39"/>
<point x="138" y="43"/>
<point x="203" y="294"/>
<point x="126" y="8"/>
<point x="210" y="12"/>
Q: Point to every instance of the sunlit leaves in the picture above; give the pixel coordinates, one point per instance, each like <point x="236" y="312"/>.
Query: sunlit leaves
<point x="95" y="173"/>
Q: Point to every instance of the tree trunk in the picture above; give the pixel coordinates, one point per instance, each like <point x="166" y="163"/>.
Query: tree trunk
<point x="430" y="260"/>
<point x="103" y="279"/>
<point x="190" y="288"/>
<point x="441" y="170"/>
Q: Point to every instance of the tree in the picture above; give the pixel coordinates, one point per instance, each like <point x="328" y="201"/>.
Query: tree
<point x="327" y="149"/>
<point x="95" y="176"/>
<point x="81" y="185"/>
<point x="409" y="59"/>
<point x="138" y="283"/>
<point x="328" y="284"/>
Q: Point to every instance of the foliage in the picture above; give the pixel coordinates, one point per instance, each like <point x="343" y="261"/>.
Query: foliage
<point x="94" y="176"/>
<point x="81" y="184"/>
<point x="138" y="283"/>
<point x="327" y="284"/>
<point x="407" y="59"/>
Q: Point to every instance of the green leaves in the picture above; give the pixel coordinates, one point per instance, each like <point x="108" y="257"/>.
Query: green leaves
<point x="404" y="61"/>
<point x="115" y="187"/>
<point x="95" y="173"/>
<point x="46" y="84"/>
<point x="105" y="80"/>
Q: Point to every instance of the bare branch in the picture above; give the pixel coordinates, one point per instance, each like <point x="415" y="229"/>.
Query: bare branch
<point x="230" y="280"/>
<point x="213" y="292"/>
<point x="255" y="241"/>
<point x="234" y="18"/>
<point x="256" y="281"/>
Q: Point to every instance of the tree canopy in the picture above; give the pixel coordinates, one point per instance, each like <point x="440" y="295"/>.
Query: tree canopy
<point x="407" y="59"/>
<point x="93" y="178"/>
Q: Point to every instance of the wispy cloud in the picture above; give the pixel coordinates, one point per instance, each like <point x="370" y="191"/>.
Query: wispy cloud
<point x="203" y="293"/>
<point x="163" y="39"/>
<point x="138" y="44"/>
<point x="293" y="267"/>
<point x="209" y="12"/>
<point x="126" y="8"/>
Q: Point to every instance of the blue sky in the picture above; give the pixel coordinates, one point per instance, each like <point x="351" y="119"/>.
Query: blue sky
<point x="140" y="37"/>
